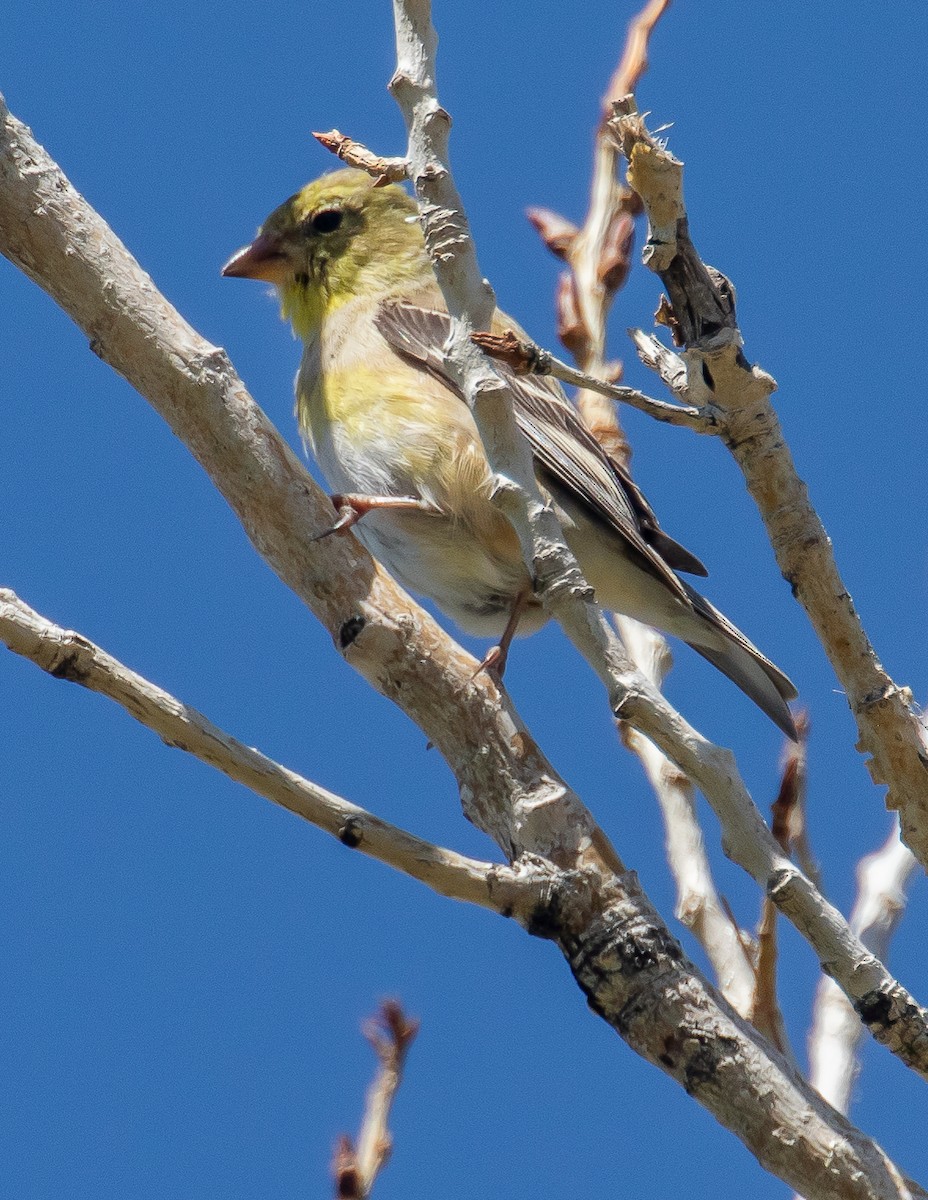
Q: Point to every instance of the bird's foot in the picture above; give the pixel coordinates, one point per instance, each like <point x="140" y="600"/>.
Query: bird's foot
<point x="495" y="659"/>
<point x="351" y="507"/>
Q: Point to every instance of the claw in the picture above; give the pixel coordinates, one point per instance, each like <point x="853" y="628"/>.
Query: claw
<point x="495" y="659"/>
<point x="352" y="507"/>
<point x="494" y="663"/>
<point x="348" y="515"/>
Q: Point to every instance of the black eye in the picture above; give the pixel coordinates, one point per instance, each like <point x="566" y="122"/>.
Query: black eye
<point x="328" y="220"/>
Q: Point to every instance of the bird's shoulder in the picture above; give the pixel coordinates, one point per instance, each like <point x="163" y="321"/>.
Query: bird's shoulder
<point x="353" y="377"/>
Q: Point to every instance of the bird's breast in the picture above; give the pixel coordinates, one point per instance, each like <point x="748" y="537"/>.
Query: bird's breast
<point x="381" y="428"/>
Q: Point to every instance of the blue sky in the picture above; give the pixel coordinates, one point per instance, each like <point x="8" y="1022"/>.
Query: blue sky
<point x="185" y="967"/>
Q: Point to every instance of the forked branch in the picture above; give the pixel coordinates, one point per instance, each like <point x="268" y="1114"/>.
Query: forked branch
<point x="712" y="370"/>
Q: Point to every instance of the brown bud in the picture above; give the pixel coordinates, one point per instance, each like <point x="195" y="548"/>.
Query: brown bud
<point x="571" y="327"/>
<point x="615" y="259"/>
<point x="556" y="232"/>
<point x="787" y="811"/>
<point x="402" y="1029"/>
<point x="333" y="140"/>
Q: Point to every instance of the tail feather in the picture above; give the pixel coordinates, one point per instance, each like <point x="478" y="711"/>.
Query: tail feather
<point x="738" y="658"/>
<point x="758" y="679"/>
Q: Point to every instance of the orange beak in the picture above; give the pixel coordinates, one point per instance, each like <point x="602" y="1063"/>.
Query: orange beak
<point x="263" y="259"/>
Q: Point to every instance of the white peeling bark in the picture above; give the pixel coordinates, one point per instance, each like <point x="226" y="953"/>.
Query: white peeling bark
<point x="472" y="302"/>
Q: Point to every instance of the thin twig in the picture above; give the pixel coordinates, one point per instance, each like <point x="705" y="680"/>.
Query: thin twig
<point x="727" y="947"/>
<point x="355" y="1168"/>
<point x="525" y="357"/>
<point x="786" y="819"/>
<point x="384" y="170"/>
<point x="634" y="61"/>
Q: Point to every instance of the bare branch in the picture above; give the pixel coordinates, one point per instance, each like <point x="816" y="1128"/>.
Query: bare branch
<point x="892" y="1015"/>
<point x="471" y="302"/>
<point x="527" y="358"/>
<point x="391" y="1034"/>
<point x="600" y="257"/>
<point x="508" y="789"/>
<point x="470" y="299"/>
<point x="67" y="655"/>
<point x="786" y="821"/>
<point x="765" y="1012"/>
<point x="708" y="1068"/>
<point x="717" y="373"/>
<point x="888" y="1010"/>
<point x="634" y="61"/>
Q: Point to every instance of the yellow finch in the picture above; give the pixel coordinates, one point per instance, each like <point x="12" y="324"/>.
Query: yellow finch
<point x="396" y="440"/>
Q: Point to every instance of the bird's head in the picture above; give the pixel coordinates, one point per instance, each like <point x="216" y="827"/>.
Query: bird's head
<point x="337" y="238"/>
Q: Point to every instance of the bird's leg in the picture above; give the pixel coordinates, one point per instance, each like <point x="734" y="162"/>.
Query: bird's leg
<point x="495" y="658"/>
<point x="352" y="507"/>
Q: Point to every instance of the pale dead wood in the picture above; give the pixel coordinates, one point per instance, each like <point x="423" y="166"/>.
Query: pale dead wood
<point x="471" y="302"/>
